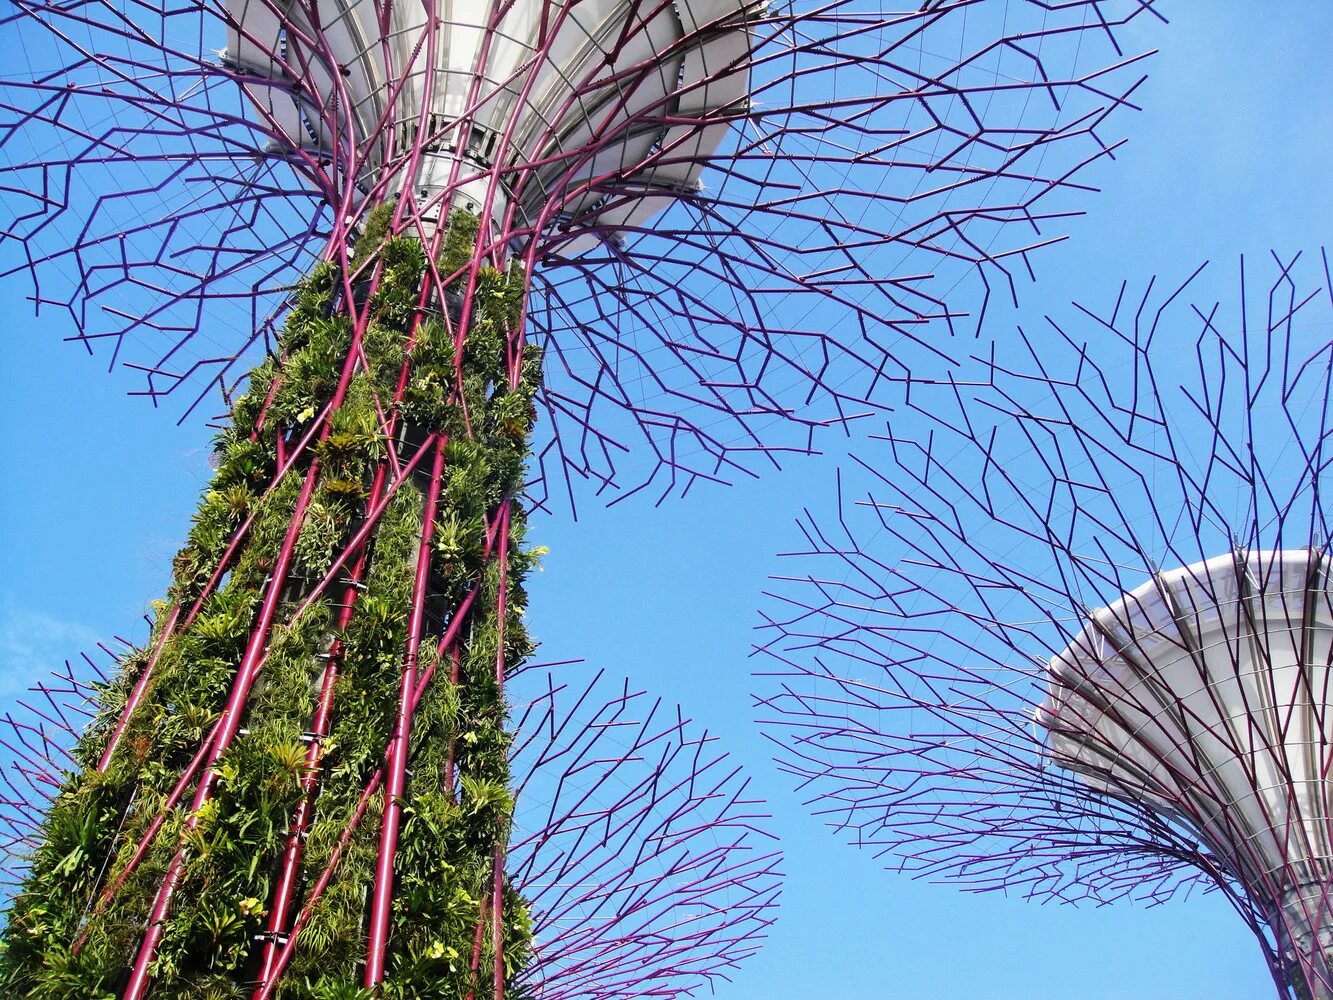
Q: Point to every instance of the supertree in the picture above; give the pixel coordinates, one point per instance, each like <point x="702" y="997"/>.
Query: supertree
<point x="490" y="208"/>
<point x="1074" y="640"/>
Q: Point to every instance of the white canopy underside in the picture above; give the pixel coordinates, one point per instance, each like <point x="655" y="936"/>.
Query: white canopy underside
<point x="602" y="79"/>
<point x="1205" y="694"/>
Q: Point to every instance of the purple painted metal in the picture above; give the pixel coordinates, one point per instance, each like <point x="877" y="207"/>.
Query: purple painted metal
<point x="951" y="158"/>
<point x="230" y="722"/>
<point x="475" y="962"/>
<point x="285" y="885"/>
<point x="223" y="734"/>
<point x="498" y="864"/>
<point x="266" y="987"/>
<point x="497" y="921"/>
<point x="140" y="686"/>
<point x="284" y="464"/>
<point x="191" y="771"/>
<point x="1072" y="640"/>
<point x="395" y="785"/>
<point x="141" y="849"/>
<point x="36" y="755"/>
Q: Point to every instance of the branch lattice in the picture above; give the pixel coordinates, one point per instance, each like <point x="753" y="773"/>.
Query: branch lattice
<point x="941" y="683"/>
<point x="823" y="232"/>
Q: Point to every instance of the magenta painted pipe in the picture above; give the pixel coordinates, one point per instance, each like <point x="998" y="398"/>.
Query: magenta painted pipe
<point x="501" y="608"/>
<point x="273" y="385"/>
<point x="230" y="722"/>
<point x="140" y="686"/>
<point x="362" y="533"/>
<point x="284" y="889"/>
<point x="149" y="835"/>
<point x="188" y="775"/>
<point x="497" y="918"/>
<point x="265" y="990"/>
<point x="497" y="869"/>
<point x="318" y="425"/>
<point x="227" y="728"/>
<point x="455" y="661"/>
<point x="284" y="956"/>
<point x="396" y="773"/>
<point x="450" y="636"/>
<point x="477" y="939"/>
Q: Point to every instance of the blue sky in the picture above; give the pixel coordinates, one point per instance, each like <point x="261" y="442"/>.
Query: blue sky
<point x="1231" y="154"/>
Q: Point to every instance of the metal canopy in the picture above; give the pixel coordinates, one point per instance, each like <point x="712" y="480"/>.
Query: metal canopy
<point x="1204" y="693"/>
<point x="598" y="95"/>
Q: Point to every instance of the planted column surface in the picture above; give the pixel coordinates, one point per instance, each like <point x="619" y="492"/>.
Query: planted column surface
<point x="341" y="620"/>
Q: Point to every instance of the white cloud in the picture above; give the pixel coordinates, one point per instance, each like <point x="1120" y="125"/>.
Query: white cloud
<point x="33" y="643"/>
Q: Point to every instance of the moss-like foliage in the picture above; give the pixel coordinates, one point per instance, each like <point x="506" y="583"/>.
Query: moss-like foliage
<point x="458" y="806"/>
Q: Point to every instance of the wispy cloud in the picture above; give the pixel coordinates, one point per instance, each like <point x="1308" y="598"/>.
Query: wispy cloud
<point x="33" y="643"/>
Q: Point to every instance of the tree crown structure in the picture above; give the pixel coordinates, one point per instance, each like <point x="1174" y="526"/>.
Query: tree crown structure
<point x="672" y="174"/>
<point x="1072" y="641"/>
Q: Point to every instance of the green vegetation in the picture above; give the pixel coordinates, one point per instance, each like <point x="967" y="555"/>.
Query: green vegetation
<point x="452" y="823"/>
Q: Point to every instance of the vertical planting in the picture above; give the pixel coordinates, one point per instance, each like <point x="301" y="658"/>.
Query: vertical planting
<point x="406" y="382"/>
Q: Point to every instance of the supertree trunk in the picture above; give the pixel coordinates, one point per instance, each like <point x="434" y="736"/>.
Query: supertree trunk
<point x="340" y="627"/>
